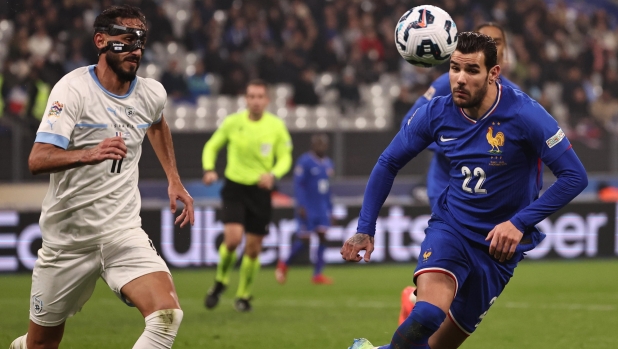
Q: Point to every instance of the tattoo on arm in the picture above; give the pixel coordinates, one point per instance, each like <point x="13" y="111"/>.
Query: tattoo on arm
<point x="360" y="238"/>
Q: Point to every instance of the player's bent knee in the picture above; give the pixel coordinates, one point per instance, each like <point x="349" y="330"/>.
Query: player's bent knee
<point x="161" y="329"/>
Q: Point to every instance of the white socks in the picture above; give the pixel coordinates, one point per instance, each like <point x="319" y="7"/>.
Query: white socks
<point x="161" y="329"/>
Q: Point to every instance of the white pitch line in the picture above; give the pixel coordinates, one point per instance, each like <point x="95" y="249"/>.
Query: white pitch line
<point x="357" y="303"/>
<point x="315" y="303"/>
<point x="560" y="306"/>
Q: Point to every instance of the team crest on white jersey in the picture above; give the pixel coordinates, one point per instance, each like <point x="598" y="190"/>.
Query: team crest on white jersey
<point x="130" y="111"/>
<point x="37" y="304"/>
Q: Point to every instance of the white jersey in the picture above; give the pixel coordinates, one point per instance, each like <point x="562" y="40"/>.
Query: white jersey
<point x="92" y="204"/>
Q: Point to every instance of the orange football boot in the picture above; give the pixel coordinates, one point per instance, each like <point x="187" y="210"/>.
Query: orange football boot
<point x="407" y="303"/>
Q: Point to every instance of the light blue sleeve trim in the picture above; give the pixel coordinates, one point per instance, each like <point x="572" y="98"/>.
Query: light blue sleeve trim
<point x="143" y="125"/>
<point x="92" y="125"/>
<point x="52" y="138"/>
<point x="158" y="120"/>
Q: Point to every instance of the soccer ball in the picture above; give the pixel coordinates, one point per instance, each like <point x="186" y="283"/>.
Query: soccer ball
<point x="426" y="36"/>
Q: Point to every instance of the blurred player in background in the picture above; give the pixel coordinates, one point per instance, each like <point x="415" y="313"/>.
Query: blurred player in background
<point x="90" y="142"/>
<point x="254" y="138"/>
<point x="483" y="222"/>
<point x="313" y="205"/>
<point x="438" y="173"/>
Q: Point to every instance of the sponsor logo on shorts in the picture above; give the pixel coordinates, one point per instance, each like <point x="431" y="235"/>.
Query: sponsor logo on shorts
<point x="37" y="304"/>
<point x="426" y="255"/>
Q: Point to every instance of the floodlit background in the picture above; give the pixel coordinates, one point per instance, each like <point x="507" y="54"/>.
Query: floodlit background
<point x="333" y="67"/>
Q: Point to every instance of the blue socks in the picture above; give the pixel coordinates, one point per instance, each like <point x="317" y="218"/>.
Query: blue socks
<point x="319" y="261"/>
<point x="296" y="247"/>
<point x="424" y="321"/>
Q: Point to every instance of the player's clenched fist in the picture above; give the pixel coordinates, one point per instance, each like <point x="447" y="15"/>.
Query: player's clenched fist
<point x="354" y="245"/>
<point x="210" y="177"/>
<point x="504" y="239"/>
<point x="109" y="149"/>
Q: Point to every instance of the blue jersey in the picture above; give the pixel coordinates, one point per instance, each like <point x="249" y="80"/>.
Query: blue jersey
<point x="311" y="184"/>
<point x="437" y="175"/>
<point x="495" y="165"/>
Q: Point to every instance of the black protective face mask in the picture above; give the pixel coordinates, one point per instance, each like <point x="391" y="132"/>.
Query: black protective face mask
<point x="119" y="47"/>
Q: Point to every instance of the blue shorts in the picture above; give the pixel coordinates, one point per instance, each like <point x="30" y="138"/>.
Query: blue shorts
<point x="313" y="222"/>
<point x="479" y="277"/>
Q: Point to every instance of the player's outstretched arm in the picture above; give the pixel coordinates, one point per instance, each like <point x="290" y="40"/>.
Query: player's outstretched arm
<point x="48" y="158"/>
<point x="358" y="242"/>
<point x="160" y="137"/>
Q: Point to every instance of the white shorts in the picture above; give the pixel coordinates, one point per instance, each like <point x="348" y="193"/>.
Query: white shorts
<point x="62" y="281"/>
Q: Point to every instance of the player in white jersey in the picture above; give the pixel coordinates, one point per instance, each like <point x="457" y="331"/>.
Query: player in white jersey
<point x="90" y="140"/>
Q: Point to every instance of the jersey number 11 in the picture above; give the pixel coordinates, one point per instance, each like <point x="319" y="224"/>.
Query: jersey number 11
<point x="116" y="163"/>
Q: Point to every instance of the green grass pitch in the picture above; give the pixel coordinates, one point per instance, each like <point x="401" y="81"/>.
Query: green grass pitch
<point x="562" y="305"/>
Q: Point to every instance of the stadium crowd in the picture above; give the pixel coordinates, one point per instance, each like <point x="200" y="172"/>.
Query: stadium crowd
<point x="563" y="54"/>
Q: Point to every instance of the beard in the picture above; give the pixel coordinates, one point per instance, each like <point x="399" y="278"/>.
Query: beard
<point x="113" y="61"/>
<point x="475" y="99"/>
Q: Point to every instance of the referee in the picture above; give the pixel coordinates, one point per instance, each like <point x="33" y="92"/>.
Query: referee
<point x="259" y="150"/>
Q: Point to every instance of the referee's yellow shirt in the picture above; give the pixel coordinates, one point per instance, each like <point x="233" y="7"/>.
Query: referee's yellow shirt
<point x="253" y="147"/>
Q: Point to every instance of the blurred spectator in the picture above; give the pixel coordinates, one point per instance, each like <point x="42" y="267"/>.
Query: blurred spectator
<point x="533" y="83"/>
<point x="370" y="45"/>
<point x="237" y="36"/>
<point x="605" y="111"/>
<point x="349" y="95"/>
<point x="195" y="34"/>
<point x="561" y="54"/>
<point x="304" y="90"/>
<point x="213" y="60"/>
<point x="174" y="81"/>
<point x="40" y="43"/>
<point x="159" y="27"/>
<point x="402" y="105"/>
<point x="267" y="65"/>
<point x="197" y="84"/>
<point x="235" y="83"/>
<point x="610" y="82"/>
<point x="75" y="61"/>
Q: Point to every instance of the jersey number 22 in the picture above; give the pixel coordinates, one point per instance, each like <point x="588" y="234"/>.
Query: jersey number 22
<point x="478" y="172"/>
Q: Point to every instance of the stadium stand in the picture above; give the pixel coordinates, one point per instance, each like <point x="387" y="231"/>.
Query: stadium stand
<point x="563" y="53"/>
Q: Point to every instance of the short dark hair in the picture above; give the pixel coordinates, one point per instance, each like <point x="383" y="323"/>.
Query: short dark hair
<point x="111" y="15"/>
<point x="258" y="82"/>
<point x="493" y="25"/>
<point x="472" y="42"/>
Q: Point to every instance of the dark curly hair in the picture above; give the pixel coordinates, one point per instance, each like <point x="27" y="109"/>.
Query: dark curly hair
<point x="472" y="42"/>
<point x="111" y="15"/>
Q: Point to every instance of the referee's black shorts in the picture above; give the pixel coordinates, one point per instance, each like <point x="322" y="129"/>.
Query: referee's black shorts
<point x="248" y="205"/>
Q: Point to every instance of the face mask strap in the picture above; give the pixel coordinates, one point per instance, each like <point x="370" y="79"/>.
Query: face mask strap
<point x="117" y="46"/>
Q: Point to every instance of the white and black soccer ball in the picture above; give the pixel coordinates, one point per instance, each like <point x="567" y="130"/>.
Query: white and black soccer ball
<point x="426" y="36"/>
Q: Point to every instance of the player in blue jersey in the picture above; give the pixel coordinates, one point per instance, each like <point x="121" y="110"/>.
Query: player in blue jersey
<point x="482" y="223"/>
<point x="439" y="167"/>
<point x="437" y="175"/>
<point x="313" y="205"/>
